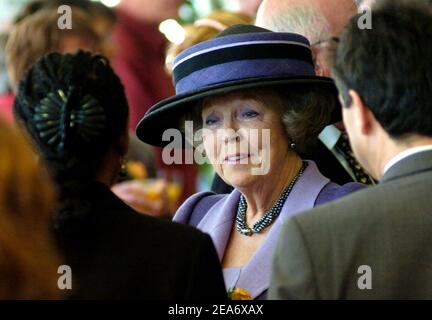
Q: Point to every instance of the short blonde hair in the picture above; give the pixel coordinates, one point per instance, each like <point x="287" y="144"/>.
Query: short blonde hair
<point x="204" y="29"/>
<point x="38" y="34"/>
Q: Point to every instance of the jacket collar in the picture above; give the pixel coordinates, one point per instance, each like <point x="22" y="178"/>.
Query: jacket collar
<point x="414" y="164"/>
<point x="218" y="222"/>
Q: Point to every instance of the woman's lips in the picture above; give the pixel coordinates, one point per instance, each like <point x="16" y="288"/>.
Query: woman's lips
<point x="236" y="158"/>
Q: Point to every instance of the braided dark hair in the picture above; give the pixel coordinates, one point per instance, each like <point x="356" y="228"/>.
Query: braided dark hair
<point x="74" y="108"/>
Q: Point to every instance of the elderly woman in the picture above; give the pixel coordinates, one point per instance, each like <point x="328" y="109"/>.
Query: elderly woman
<point x="256" y="98"/>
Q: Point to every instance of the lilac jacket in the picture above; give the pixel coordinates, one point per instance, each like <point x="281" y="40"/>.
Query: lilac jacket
<point x="217" y="220"/>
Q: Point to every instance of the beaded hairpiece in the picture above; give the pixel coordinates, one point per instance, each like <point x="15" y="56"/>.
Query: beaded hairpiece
<point x="56" y="118"/>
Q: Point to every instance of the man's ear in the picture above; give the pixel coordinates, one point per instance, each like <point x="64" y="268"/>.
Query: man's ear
<point x="317" y="61"/>
<point x="364" y="117"/>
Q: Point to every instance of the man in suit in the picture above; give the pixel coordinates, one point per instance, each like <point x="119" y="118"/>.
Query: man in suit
<point x="374" y="244"/>
<point x="319" y="21"/>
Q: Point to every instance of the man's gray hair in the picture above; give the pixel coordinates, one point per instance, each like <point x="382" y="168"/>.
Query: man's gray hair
<point x="304" y="20"/>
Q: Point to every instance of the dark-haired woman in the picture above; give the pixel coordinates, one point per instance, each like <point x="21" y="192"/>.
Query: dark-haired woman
<point x="74" y="109"/>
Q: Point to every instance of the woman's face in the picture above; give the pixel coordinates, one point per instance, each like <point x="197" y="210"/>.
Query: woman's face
<point x="71" y="43"/>
<point x="243" y="137"/>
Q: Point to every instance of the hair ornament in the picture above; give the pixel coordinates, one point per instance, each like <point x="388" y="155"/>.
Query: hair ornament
<point x="58" y="119"/>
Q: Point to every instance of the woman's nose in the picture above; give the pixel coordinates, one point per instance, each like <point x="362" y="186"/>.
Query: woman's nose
<point x="229" y="130"/>
<point x="231" y="135"/>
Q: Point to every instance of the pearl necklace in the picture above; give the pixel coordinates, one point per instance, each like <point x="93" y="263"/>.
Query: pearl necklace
<point x="270" y="215"/>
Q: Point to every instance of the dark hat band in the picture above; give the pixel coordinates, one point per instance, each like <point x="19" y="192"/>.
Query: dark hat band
<point x="241" y="70"/>
<point x="243" y="56"/>
<point x="253" y="51"/>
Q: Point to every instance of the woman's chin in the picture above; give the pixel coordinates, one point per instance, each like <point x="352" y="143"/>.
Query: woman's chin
<point x="239" y="175"/>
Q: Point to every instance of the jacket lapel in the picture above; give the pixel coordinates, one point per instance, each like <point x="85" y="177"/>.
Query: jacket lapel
<point x="219" y="220"/>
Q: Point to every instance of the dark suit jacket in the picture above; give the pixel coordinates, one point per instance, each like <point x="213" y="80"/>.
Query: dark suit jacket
<point x="116" y="253"/>
<point x="387" y="227"/>
<point x="327" y="163"/>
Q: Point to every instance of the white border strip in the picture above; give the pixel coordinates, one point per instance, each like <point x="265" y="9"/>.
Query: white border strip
<point x="237" y="45"/>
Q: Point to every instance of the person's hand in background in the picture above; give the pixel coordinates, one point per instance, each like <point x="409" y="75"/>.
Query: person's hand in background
<point x="147" y="196"/>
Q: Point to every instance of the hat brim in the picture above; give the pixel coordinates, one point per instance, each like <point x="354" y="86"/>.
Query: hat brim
<point x="167" y="113"/>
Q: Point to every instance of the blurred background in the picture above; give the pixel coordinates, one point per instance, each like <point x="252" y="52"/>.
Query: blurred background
<point x="189" y="11"/>
<point x="141" y="39"/>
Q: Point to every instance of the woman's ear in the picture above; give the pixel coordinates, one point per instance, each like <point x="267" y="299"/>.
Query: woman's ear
<point x="122" y="144"/>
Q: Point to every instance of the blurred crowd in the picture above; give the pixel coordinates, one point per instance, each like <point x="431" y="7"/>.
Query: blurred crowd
<point x="347" y="161"/>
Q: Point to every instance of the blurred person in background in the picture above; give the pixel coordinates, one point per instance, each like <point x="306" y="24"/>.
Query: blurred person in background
<point x="101" y="18"/>
<point x="249" y="7"/>
<point x="36" y="33"/>
<point x="81" y="134"/>
<point x="140" y="64"/>
<point x="141" y="51"/>
<point x="103" y="21"/>
<point x="204" y="29"/>
<point x="28" y="259"/>
<point x="319" y="21"/>
<point x="6" y="95"/>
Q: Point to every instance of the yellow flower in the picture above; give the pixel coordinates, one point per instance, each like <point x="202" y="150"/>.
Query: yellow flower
<point x="239" y="294"/>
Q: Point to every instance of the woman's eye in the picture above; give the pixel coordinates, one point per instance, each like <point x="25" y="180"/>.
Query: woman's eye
<point x="249" y="114"/>
<point x="211" y="120"/>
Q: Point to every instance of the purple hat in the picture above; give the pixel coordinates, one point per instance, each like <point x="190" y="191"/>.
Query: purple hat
<point x="241" y="57"/>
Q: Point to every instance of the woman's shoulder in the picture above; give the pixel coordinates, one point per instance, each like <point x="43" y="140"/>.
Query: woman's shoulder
<point x="196" y="206"/>
<point x="154" y="250"/>
<point x="333" y="191"/>
<point x="164" y="231"/>
<point x="146" y="232"/>
<point x="115" y="217"/>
